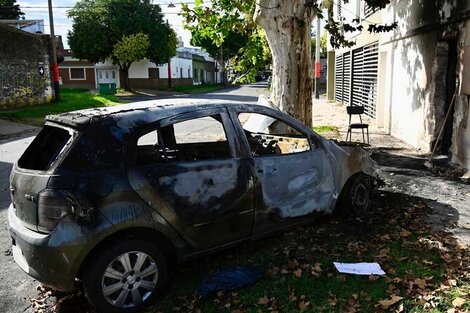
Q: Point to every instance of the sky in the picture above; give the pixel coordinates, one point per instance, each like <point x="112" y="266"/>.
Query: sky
<point x="37" y="9"/>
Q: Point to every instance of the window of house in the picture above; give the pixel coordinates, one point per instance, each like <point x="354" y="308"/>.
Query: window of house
<point x="202" y="75"/>
<point x="269" y="136"/>
<point x="77" y="73"/>
<point x="195" y="75"/>
<point x="191" y="140"/>
<point x="181" y="72"/>
<point x="189" y="73"/>
<point x="114" y="74"/>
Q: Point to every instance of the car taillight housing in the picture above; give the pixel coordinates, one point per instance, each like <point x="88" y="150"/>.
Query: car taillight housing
<point x="54" y="204"/>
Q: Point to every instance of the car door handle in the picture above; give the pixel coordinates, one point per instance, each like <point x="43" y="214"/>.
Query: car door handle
<point x="260" y="171"/>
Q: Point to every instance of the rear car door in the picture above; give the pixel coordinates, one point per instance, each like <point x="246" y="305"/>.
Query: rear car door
<point x="293" y="175"/>
<point x="187" y="169"/>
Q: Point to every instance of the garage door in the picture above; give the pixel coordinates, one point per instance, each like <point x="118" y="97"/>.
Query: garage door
<point x="364" y="78"/>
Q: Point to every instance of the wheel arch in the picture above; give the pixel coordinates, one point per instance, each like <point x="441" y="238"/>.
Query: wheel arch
<point x="346" y="185"/>
<point x="143" y="233"/>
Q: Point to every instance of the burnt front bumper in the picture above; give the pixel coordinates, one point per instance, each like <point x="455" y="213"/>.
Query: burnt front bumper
<point x="54" y="266"/>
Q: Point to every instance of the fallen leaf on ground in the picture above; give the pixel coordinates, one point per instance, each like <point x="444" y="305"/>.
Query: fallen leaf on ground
<point x="405" y="233"/>
<point x="263" y="300"/>
<point x="388" y="303"/>
<point x="298" y="273"/>
<point x="458" y="302"/>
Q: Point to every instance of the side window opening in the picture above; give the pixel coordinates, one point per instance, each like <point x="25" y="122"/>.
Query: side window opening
<point x="270" y="136"/>
<point x="191" y="140"/>
<point x="45" y="148"/>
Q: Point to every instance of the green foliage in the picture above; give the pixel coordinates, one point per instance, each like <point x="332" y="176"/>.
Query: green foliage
<point x="131" y="48"/>
<point x="71" y="100"/>
<point x="9" y="10"/>
<point x="323" y="45"/>
<point x="229" y="24"/>
<point x="98" y="25"/>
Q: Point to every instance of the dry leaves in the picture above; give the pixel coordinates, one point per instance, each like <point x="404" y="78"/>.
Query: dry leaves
<point x="385" y="304"/>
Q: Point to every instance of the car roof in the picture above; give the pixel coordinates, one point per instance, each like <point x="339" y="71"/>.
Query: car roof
<point x="139" y="111"/>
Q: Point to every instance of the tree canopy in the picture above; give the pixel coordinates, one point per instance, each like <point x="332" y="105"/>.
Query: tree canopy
<point x="9" y="10"/>
<point x="323" y="45"/>
<point x="243" y="42"/>
<point x="285" y="25"/>
<point x="98" y="25"/>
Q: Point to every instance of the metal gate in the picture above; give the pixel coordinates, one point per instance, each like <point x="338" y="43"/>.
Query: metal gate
<point x="364" y="78"/>
<point x="343" y="78"/>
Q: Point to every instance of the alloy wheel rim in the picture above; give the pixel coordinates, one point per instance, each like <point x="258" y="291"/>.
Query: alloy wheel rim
<point x="129" y="279"/>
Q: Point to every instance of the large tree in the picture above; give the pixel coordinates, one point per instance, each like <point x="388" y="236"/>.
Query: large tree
<point x="287" y="26"/>
<point x="98" y="25"/>
<point x="9" y="10"/>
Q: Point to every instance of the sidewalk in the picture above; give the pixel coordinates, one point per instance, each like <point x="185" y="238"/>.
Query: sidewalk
<point x="12" y="129"/>
<point x="325" y="113"/>
<point x="402" y="169"/>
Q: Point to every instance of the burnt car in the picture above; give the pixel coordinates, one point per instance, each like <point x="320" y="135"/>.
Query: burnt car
<point x="106" y="199"/>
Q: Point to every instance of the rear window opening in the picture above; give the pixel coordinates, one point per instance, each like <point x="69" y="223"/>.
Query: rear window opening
<point x="45" y="148"/>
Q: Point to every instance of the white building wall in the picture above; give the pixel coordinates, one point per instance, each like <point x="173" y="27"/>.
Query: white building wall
<point x="140" y="69"/>
<point x="176" y="65"/>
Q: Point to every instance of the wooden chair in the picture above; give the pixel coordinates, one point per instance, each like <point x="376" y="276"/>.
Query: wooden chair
<point x="356" y="110"/>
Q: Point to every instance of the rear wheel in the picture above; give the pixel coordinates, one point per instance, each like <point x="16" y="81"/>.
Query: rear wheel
<point x="125" y="277"/>
<point x="356" y="196"/>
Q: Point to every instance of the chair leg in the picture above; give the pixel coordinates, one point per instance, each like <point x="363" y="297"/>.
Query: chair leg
<point x="348" y="134"/>
<point x="363" y="137"/>
<point x="368" y="135"/>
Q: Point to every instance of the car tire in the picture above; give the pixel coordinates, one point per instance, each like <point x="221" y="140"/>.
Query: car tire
<point x="125" y="277"/>
<point x="356" y="197"/>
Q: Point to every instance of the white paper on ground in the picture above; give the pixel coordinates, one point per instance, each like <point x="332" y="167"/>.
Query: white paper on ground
<point x="359" y="268"/>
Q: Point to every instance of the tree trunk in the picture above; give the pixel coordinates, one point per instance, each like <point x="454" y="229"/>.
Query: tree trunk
<point x="125" y="73"/>
<point x="287" y="24"/>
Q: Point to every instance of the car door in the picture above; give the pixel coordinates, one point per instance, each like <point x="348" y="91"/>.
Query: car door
<point x="187" y="169"/>
<point x="293" y="176"/>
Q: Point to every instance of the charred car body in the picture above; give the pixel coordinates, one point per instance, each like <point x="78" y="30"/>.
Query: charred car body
<point x="106" y="198"/>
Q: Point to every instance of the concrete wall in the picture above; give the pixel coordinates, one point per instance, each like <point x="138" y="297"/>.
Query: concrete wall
<point x="21" y="56"/>
<point x="178" y="65"/>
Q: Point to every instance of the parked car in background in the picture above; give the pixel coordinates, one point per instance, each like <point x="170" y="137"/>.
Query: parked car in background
<point x="105" y="199"/>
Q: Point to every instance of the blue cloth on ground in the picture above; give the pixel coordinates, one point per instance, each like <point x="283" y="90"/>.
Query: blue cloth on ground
<point x="229" y="279"/>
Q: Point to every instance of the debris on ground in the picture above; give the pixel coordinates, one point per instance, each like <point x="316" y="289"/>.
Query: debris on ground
<point x="359" y="268"/>
<point x="229" y="279"/>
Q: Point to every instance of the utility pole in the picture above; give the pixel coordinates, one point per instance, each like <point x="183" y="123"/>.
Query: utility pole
<point x="169" y="58"/>
<point x="55" y="68"/>
<point x="317" y="60"/>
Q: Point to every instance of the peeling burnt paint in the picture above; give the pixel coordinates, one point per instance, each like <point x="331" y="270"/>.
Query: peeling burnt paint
<point x="197" y="204"/>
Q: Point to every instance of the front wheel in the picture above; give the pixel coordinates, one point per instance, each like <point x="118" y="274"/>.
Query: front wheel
<point x="125" y="277"/>
<point x="356" y="196"/>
